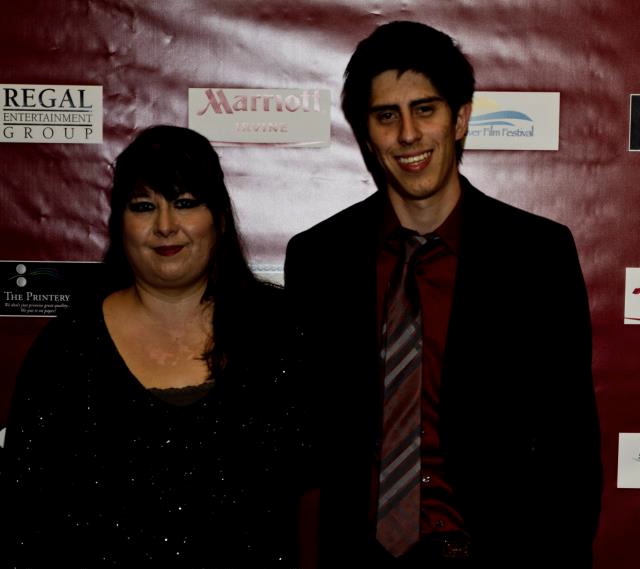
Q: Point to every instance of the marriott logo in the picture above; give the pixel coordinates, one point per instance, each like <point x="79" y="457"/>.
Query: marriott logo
<point x="289" y="117"/>
<point x="220" y="103"/>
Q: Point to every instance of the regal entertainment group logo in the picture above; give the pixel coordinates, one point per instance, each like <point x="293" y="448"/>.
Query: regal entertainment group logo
<point x="51" y="113"/>
<point x="290" y="117"/>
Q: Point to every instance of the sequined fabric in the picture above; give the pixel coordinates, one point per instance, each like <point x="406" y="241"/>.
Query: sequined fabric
<point x="100" y="472"/>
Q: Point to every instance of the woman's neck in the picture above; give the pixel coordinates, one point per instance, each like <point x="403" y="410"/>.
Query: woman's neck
<point x="161" y="337"/>
<point x="168" y="306"/>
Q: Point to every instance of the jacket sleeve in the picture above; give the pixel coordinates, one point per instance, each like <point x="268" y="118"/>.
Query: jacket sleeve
<point x="573" y="427"/>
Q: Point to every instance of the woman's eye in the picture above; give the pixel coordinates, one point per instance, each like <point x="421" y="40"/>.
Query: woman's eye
<point x="140" y="206"/>
<point x="186" y="203"/>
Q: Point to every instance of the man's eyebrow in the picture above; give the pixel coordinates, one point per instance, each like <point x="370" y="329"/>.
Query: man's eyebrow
<point x="389" y="107"/>
<point x="426" y="101"/>
<point x="395" y="107"/>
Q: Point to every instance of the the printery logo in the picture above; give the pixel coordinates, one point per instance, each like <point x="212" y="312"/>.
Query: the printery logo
<point x="292" y="117"/>
<point x="51" y="113"/>
<point x="43" y="288"/>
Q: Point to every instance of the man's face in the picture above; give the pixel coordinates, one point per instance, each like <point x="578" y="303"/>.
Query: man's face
<point x="413" y="135"/>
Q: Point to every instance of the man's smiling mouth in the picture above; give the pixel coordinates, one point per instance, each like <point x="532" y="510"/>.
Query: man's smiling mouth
<point x="416" y="159"/>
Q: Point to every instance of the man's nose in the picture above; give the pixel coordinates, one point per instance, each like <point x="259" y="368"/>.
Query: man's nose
<point x="409" y="131"/>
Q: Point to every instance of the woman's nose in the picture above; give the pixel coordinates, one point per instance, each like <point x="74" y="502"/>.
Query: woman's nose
<point x="165" y="220"/>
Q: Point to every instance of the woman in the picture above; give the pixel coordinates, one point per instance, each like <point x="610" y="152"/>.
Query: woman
<point x="152" y="427"/>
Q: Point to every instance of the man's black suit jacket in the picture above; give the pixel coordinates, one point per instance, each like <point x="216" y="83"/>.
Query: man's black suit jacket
<point x="519" y="426"/>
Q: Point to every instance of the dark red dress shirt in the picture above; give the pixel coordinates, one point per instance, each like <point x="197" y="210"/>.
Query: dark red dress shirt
<point x="435" y="273"/>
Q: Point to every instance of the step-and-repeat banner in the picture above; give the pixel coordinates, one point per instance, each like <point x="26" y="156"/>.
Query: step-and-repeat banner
<point x="555" y="130"/>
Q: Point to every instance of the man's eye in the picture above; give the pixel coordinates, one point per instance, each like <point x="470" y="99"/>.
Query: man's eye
<point x="140" y="206"/>
<point x="385" y="116"/>
<point x="186" y="203"/>
<point x="424" y="109"/>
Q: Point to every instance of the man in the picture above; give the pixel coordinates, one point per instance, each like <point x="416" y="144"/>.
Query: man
<point x="490" y="314"/>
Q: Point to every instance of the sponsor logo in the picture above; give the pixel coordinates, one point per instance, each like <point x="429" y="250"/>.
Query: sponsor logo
<point x="514" y="121"/>
<point x="503" y="123"/>
<point x="51" y="113"/>
<point x="242" y="103"/>
<point x="291" y="117"/>
<point x="632" y="296"/>
<point x="628" y="460"/>
<point x="634" y="123"/>
<point x="43" y="288"/>
<point x="21" y="274"/>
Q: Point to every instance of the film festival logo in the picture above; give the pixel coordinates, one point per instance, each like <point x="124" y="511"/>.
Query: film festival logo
<point x="514" y="120"/>
<point x="502" y="123"/>
<point x="51" y="113"/>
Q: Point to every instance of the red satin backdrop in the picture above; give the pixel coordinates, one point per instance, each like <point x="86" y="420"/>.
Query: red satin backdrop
<point x="54" y="197"/>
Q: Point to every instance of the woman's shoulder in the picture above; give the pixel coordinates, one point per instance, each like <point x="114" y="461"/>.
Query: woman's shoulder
<point x="83" y="313"/>
<point x="70" y="327"/>
<point x="267" y="300"/>
<point x="58" y="354"/>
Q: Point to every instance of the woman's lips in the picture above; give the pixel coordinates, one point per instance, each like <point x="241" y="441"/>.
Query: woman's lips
<point x="168" y="250"/>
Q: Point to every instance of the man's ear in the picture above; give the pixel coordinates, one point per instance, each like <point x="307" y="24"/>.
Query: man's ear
<point x="462" y="121"/>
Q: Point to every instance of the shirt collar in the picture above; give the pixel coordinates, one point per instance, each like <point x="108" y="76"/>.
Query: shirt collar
<point x="449" y="230"/>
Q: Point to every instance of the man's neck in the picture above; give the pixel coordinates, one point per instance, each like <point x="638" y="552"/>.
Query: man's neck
<point x="425" y="215"/>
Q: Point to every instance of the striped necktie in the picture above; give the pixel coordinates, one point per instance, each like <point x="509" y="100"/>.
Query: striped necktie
<point x="398" y="525"/>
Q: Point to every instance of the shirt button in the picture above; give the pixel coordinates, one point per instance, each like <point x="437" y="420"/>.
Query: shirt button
<point x="426" y="479"/>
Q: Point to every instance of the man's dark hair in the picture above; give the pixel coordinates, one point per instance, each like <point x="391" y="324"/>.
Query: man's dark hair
<point x="405" y="46"/>
<point x="171" y="161"/>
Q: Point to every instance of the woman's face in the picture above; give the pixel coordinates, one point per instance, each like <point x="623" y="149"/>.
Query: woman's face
<point x="168" y="243"/>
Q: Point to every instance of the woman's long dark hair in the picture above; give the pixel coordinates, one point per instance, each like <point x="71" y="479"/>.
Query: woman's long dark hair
<point x="173" y="160"/>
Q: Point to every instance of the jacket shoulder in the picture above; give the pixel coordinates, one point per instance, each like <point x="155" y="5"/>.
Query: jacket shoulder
<point x="351" y="220"/>
<point x="484" y="215"/>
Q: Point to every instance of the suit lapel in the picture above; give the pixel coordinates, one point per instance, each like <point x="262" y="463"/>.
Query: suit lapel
<point x="467" y="297"/>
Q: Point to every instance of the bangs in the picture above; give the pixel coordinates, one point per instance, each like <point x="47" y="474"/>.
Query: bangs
<point x="170" y="161"/>
<point x="170" y="188"/>
<point x="169" y="176"/>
